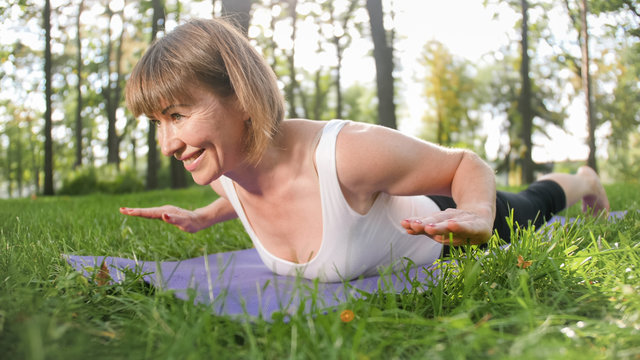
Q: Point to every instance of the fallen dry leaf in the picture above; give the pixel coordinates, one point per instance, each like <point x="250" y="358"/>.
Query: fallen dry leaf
<point x="103" y="277"/>
<point x="523" y="264"/>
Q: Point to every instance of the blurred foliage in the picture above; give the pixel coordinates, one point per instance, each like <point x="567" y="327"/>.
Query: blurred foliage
<point x="106" y="179"/>
<point x="461" y="96"/>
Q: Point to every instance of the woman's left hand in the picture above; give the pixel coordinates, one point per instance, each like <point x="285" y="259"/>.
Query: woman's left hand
<point x="451" y="227"/>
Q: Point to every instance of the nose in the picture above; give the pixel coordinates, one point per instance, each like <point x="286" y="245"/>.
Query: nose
<point x="170" y="143"/>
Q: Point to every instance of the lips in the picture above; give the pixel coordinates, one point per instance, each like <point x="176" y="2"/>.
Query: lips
<point x="192" y="161"/>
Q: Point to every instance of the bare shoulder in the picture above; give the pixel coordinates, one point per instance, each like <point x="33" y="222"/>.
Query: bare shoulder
<point x="301" y="127"/>
<point x="373" y="158"/>
<point x="371" y="145"/>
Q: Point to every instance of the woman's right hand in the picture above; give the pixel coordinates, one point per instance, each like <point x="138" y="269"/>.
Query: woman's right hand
<point x="185" y="220"/>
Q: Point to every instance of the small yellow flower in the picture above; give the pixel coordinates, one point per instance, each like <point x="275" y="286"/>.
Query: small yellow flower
<point x="347" y="315"/>
<point x="523" y="264"/>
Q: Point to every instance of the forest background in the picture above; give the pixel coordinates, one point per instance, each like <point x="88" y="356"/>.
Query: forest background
<point x="64" y="128"/>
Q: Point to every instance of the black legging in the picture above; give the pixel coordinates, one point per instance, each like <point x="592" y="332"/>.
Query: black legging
<point x="535" y="205"/>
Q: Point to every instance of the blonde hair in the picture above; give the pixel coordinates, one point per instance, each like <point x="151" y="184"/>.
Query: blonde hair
<point x="212" y="53"/>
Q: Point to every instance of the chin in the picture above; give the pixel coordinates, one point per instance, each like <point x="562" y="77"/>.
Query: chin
<point x="202" y="180"/>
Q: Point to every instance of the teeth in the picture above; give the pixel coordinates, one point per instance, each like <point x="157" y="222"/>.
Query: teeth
<point x="193" y="158"/>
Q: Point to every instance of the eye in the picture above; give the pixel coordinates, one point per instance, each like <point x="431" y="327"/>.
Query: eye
<point x="177" y="117"/>
<point x="155" y="122"/>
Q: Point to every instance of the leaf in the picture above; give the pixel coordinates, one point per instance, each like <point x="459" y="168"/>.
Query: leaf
<point x="103" y="277"/>
<point x="522" y="264"/>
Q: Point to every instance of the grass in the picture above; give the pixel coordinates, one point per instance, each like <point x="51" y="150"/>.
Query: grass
<point x="579" y="298"/>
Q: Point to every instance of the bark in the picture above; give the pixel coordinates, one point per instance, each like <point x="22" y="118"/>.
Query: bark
<point x="152" y="157"/>
<point x="292" y="87"/>
<point x="383" y="56"/>
<point x="48" y="140"/>
<point x="524" y="102"/>
<point x="238" y="13"/>
<point x="176" y="169"/>
<point x="339" y="52"/>
<point x="8" y="171"/>
<point x="78" y="129"/>
<point x="586" y="85"/>
<point x="19" y="170"/>
<point x="112" y="93"/>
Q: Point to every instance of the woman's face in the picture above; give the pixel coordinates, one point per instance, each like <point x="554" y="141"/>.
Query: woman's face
<point x="206" y="133"/>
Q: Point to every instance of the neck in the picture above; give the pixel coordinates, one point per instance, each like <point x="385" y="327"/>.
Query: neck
<point x="258" y="178"/>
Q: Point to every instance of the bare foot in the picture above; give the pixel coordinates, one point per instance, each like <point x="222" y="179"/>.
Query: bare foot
<point x="597" y="201"/>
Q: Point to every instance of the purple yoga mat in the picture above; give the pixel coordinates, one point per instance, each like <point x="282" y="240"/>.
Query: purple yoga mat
<point x="237" y="282"/>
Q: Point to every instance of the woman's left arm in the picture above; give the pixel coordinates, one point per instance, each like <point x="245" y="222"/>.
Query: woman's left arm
<point x="474" y="191"/>
<point x="373" y="159"/>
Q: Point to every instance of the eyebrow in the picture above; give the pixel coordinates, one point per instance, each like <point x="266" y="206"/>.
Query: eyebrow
<point x="163" y="112"/>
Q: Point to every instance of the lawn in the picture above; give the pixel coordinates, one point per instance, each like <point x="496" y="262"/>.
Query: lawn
<point x="574" y="293"/>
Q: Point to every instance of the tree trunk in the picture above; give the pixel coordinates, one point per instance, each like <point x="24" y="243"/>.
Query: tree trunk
<point x="152" y="156"/>
<point x="586" y="85"/>
<point x="78" y="128"/>
<point x="178" y="176"/>
<point x="238" y="12"/>
<point x="8" y="169"/>
<point x="48" y="140"/>
<point x="339" y="49"/>
<point x="383" y="56"/>
<point x="317" y="109"/>
<point x="113" y="95"/>
<point x="291" y="88"/>
<point x="117" y="92"/>
<point x="108" y="99"/>
<point x="525" y="100"/>
<point x="176" y="168"/>
<point x="19" y="170"/>
<point x="34" y="163"/>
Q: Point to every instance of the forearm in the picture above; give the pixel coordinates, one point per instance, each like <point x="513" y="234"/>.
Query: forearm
<point x="218" y="211"/>
<point x="473" y="187"/>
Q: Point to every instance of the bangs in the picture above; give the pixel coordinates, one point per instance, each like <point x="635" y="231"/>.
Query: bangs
<point x="155" y="83"/>
<point x="171" y="66"/>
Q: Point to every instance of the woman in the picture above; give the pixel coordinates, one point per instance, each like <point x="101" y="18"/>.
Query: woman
<point x="332" y="200"/>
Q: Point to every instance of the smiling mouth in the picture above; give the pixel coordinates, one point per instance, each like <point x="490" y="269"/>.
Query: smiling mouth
<point x="193" y="158"/>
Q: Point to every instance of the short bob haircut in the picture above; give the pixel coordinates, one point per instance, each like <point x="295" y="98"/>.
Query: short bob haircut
<point x="214" y="54"/>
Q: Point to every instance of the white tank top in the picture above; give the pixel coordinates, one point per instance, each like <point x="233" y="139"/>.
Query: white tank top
<point x="352" y="245"/>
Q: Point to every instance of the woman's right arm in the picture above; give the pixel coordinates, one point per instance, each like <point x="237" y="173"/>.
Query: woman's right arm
<point x="189" y="220"/>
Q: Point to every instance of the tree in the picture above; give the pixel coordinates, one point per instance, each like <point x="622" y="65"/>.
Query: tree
<point x="48" y="142"/>
<point x="383" y="56"/>
<point x="292" y="89"/>
<point x="533" y="98"/>
<point x="238" y="11"/>
<point x="524" y="102"/>
<point x="586" y="85"/>
<point x="585" y="75"/>
<point x="621" y="109"/>
<point x="449" y="92"/>
<point x="631" y="27"/>
<point x="341" y="40"/>
<point x="112" y="92"/>
<point x="176" y="168"/>
<point x="153" y="162"/>
<point x="78" y="127"/>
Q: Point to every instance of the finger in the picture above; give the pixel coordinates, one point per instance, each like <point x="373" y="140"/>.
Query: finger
<point x="412" y="224"/>
<point x="183" y="223"/>
<point x="173" y="219"/>
<point x="150" y="213"/>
